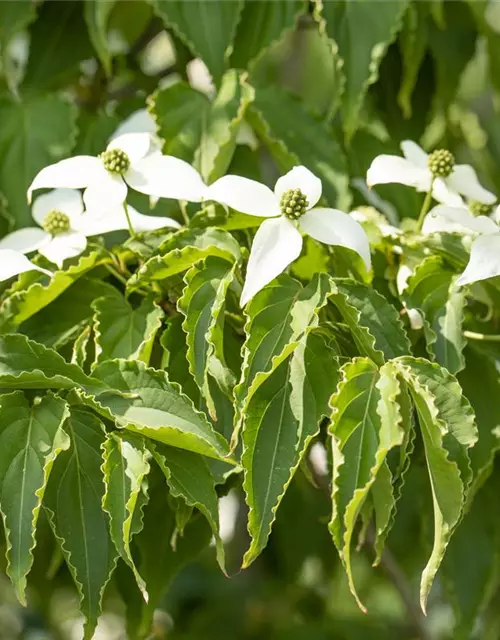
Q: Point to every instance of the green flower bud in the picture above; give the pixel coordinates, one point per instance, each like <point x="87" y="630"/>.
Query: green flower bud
<point x="55" y="223"/>
<point x="115" y="161"/>
<point x="293" y="204"/>
<point x="441" y="163"/>
<point x="480" y="209"/>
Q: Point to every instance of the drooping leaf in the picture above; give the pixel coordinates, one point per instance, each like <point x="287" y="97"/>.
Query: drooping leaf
<point x="28" y="365"/>
<point x="206" y="28"/>
<point x="203" y="304"/>
<point x="278" y="317"/>
<point x="374" y="323"/>
<point x="144" y="401"/>
<point x="361" y="32"/>
<point x="175" y="361"/>
<point x="448" y="430"/>
<point x="158" y="560"/>
<point x="120" y="331"/>
<point x="25" y="303"/>
<point x="74" y="502"/>
<point x="280" y="420"/>
<point x="125" y="470"/>
<point x="189" y="478"/>
<point x="294" y="136"/>
<point x="431" y="290"/>
<point x="35" y="132"/>
<point x="96" y="16"/>
<point x="182" y="250"/>
<point x="62" y="319"/>
<point x="263" y="24"/>
<point x="30" y="440"/>
<point x="365" y="426"/>
<point x="413" y="40"/>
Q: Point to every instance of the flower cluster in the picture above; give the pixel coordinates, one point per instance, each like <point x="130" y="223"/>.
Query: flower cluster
<point x="448" y="183"/>
<point x="133" y="159"/>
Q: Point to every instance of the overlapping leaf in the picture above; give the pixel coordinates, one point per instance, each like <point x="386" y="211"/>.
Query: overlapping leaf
<point x="31" y="438"/>
<point x="366" y="423"/>
<point x="120" y="331"/>
<point x="144" y="401"/>
<point x="74" y="502"/>
<point x="281" y="418"/>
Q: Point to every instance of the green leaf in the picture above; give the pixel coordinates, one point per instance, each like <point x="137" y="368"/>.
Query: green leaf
<point x="125" y="470"/>
<point x="471" y="564"/>
<point x="74" y="503"/>
<point x="221" y="125"/>
<point x="206" y="28"/>
<point x="35" y="132"/>
<point x="179" y="111"/>
<point x="159" y="560"/>
<point x="30" y="440"/>
<point x="294" y="136"/>
<point x="278" y="317"/>
<point x="203" y="305"/>
<point x="28" y="365"/>
<point x="448" y="430"/>
<point x="431" y="289"/>
<point x="58" y="44"/>
<point x="413" y="41"/>
<point x="25" y="303"/>
<point x="189" y="479"/>
<point x="374" y="323"/>
<point x="480" y="380"/>
<point x="279" y="422"/>
<point x="263" y="24"/>
<point x="175" y="362"/>
<point x="120" y="331"/>
<point x="365" y="425"/>
<point x="182" y="250"/>
<point x="62" y="319"/>
<point x="143" y="400"/>
<point x="96" y="16"/>
<point x="362" y="33"/>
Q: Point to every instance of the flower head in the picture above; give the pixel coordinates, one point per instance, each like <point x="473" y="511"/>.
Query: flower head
<point x="64" y="226"/>
<point x="290" y="210"/>
<point x="418" y="169"/>
<point x="129" y="160"/>
<point x="13" y="263"/>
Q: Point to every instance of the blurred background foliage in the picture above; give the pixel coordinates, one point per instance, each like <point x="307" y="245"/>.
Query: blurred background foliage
<point x="272" y="84"/>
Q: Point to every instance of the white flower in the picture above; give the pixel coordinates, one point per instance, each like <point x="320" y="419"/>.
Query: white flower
<point x="64" y="226"/>
<point x="413" y="170"/>
<point x="140" y="121"/>
<point x="13" y="263"/>
<point x="484" y="261"/>
<point x="126" y="161"/>
<point x="278" y="241"/>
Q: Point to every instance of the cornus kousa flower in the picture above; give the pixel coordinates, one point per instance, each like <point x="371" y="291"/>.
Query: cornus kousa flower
<point x="64" y="226"/>
<point x="290" y="210"/>
<point x="484" y="261"/>
<point x="127" y="161"/>
<point x="13" y="263"/>
<point x="418" y="169"/>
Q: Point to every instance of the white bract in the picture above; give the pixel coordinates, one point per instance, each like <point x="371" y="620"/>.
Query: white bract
<point x="278" y="241"/>
<point x="413" y="170"/>
<point x="484" y="261"/>
<point x="64" y="226"/>
<point x="141" y="121"/>
<point x="13" y="263"/>
<point x="128" y="160"/>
